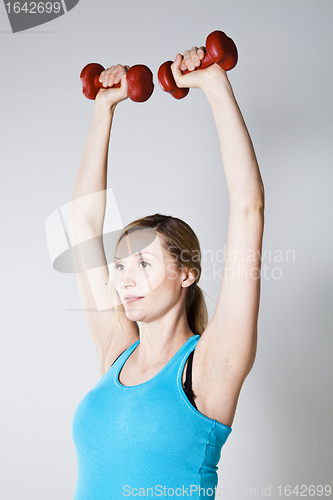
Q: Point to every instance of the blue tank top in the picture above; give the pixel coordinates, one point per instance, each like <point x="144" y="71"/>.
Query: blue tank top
<point x="145" y="440"/>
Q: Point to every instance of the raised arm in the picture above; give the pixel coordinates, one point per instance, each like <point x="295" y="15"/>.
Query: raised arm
<point x="226" y="350"/>
<point x="86" y="221"/>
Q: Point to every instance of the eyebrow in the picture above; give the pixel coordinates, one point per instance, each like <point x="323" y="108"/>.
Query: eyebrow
<point x="138" y="253"/>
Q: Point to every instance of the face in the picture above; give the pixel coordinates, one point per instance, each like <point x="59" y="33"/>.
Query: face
<point x="146" y="276"/>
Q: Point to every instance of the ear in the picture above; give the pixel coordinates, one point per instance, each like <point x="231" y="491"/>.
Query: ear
<point x="188" y="278"/>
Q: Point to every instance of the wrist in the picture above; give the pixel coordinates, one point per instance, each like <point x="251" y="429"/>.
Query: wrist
<point x="103" y="108"/>
<point x="217" y="86"/>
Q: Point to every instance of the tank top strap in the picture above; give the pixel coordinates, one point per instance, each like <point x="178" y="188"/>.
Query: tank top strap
<point x="171" y="369"/>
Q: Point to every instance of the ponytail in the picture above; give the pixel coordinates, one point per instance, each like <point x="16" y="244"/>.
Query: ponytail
<point x="196" y="309"/>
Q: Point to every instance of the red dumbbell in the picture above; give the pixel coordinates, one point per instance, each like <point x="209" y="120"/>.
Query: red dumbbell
<point x="139" y="80"/>
<point x="220" y="49"/>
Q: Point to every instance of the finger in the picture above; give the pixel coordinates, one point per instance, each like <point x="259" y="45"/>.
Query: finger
<point x="176" y="64"/>
<point x="121" y="78"/>
<point x="183" y="66"/>
<point x="189" y="58"/>
<point x="112" y="76"/>
<point x="201" y="52"/>
<point x="194" y="56"/>
<point x="103" y="77"/>
<point x="187" y="61"/>
<point x="119" y="75"/>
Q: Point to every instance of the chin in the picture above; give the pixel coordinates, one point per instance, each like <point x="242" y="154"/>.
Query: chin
<point x="134" y="315"/>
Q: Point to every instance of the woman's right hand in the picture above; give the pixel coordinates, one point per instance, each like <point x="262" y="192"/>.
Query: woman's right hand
<point x="108" y="77"/>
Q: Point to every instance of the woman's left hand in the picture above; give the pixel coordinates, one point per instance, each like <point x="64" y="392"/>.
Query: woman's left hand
<point x="191" y="60"/>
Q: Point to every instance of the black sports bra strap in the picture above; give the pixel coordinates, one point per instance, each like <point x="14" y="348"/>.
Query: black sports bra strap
<point x="188" y="380"/>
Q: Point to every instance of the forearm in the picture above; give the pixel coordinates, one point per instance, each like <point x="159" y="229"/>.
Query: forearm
<point x="91" y="178"/>
<point x="239" y="160"/>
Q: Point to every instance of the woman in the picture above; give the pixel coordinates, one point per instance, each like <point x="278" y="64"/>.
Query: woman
<point x="139" y="432"/>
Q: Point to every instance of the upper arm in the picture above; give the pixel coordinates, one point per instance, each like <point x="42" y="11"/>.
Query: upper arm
<point x="229" y="342"/>
<point x="93" y="282"/>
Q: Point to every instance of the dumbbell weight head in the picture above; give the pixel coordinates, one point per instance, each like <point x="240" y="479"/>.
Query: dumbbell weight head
<point x="222" y="50"/>
<point x="167" y="81"/>
<point x="90" y="80"/>
<point x="140" y="83"/>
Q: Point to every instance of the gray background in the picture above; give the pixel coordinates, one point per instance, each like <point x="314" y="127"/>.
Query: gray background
<point x="165" y="157"/>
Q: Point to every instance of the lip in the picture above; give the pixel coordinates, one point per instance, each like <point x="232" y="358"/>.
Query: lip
<point x="131" y="298"/>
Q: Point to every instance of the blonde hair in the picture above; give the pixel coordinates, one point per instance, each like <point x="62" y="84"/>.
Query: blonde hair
<point x="181" y="242"/>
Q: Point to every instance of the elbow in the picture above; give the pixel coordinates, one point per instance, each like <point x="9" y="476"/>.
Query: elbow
<point x="258" y="202"/>
<point x="261" y="199"/>
<point x="253" y="202"/>
<point x="256" y="206"/>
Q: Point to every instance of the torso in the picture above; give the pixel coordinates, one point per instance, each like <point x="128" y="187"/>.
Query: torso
<point x="115" y="428"/>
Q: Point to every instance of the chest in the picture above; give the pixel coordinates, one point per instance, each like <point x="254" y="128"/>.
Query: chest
<point x="129" y="374"/>
<point x="139" y="418"/>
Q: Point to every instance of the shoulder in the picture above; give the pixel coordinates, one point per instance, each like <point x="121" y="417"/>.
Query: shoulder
<point x="115" y="351"/>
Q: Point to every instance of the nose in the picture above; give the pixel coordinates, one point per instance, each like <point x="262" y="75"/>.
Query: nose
<point x="125" y="279"/>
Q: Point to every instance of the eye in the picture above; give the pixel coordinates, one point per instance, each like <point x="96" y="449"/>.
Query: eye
<point x="119" y="267"/>
<point x="144" y="264"/>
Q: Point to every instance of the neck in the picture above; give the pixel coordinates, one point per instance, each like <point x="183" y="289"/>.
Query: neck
<point x="161" y="339"/>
